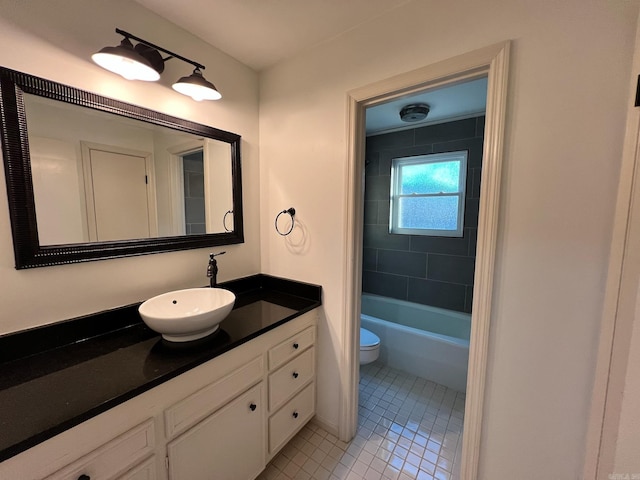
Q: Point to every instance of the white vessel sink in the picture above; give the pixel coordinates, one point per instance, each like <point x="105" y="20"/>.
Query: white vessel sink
<point x="185" y="315"/>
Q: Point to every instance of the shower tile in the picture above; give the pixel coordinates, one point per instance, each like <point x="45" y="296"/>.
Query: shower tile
<point x="471" y="209"/>
<point x="469" y="183"/>
<point x="402" y="263"/>
<point x="197" y="228"/>
<point x="472" y="234"/>
<point x="449" y="268"/>
<point x="194" y="210"/>
<point x="371" y="212"/>
<point x="476" y="177"/>
<point x="390" y="140"/>
<point x="406" y="151"/>
<point x="480" y="126"/>
<point x="383" y="213"/>
<point x="384" y="284"/>
<point x="472" y="145"/>
<point x="437" y="294"/>
<point x="443" y="132"/>
<point x="377" y="236"/>
<point x="377" y="188"/>
<point x="193" y="163"/>
<point x="372" y="162"/>
<point x="195" y="182"/>
<point x="445" y="245"/>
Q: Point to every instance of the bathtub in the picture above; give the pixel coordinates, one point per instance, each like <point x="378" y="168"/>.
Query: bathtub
<point x="429" y="342"/>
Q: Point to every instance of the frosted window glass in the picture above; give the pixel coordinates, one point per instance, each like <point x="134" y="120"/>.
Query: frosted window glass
<point x="441" y="177"/>
<point x="430" y="213"/>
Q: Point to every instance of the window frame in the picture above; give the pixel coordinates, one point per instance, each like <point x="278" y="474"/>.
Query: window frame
<point x="395" y="184"/>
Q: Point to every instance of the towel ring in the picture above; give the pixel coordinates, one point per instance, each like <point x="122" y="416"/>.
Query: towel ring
<point x="224" y="220"/>
<point x="291" y="211"/>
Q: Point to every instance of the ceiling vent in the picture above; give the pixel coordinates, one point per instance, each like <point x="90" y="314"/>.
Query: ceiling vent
<point x="414" y="112"/>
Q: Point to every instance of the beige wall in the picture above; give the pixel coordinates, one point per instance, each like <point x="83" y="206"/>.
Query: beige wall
<point x="565" y="121"/>
<point x="54" y="40"/>
<point x="568" y="85"/>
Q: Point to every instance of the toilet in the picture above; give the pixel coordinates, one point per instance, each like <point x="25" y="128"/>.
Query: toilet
<point x="369" y="346"/>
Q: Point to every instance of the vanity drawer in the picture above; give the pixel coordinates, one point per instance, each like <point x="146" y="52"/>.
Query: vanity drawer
<point x="292" y="417"/>
<point x="290" y="378"/>
<point x="291" y="347"/>
<point x="144" y="471"/>
<point x="113" y="458"/>
<point x="194" y="408"/>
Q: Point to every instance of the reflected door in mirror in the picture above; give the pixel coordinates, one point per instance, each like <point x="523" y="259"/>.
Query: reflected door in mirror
<point x="117" y="187"/>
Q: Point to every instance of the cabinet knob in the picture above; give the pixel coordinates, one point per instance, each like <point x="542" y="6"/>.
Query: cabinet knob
<point x="295" y="414"/>
<point x="253" y="407"/>
<point x="84" y="477"/>
<point x="295" y="345"/>
<point x="295" y="374"/>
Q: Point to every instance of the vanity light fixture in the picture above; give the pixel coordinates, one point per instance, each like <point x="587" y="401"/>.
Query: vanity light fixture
<point x="197" y="87"/>
<point x="144" y="62"/>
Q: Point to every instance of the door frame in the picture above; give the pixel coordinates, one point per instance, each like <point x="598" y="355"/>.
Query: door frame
<point x="619" y="302"/>
<point x="176" y="181"/>
<point x="152" y="210"/>
<point x="492" y="61"/>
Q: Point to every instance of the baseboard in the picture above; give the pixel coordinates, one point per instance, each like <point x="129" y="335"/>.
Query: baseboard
<point x="329" y="427"/>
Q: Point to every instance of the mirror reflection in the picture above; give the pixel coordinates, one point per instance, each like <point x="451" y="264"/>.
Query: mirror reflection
<point x="100" y="177"/>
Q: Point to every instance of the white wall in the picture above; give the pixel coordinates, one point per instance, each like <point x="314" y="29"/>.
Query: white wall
<point x="565" y="121"/>
<point x="627" y="461"/>
<point x="54" y="40"/>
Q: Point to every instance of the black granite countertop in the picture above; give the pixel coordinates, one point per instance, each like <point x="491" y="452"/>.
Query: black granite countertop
<point x="55" y="377"/>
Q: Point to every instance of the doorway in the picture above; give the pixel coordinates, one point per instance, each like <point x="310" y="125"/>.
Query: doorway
<point x="490" y="61"/>
<point x="119" y="192"/>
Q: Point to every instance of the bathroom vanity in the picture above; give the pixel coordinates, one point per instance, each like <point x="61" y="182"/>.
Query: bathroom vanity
<point x="124" y="404"/>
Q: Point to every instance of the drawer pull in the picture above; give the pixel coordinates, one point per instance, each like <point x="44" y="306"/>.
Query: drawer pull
<point x="253" y="407"/>
<point x="295" y="345"/>
<point x="84" y="477"/>
<point x="295" y="414"/>
<point x="295" y="374"/>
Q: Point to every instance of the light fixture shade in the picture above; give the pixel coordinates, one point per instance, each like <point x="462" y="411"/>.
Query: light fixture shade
<point x="129" y="62"/>
<point x="197" y="87"/>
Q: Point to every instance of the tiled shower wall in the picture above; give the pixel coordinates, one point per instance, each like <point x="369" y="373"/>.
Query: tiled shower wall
<point x="435" y="271"/>
<point x="194" y="193"/>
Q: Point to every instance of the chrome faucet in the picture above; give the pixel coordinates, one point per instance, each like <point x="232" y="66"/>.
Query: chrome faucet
<point x="212" y="269"/>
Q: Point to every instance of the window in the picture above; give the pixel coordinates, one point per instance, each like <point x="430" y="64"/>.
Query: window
<point x="427" y="194"/>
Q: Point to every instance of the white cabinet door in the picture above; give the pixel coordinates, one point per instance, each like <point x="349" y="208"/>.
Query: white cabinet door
<point x="228" y="445"/>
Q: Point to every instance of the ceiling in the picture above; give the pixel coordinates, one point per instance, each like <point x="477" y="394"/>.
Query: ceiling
<point x="260" y="33"/>
<point x="451" y="102"/>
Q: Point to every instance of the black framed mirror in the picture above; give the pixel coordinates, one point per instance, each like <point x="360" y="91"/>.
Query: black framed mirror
<point x="89" y="177"/>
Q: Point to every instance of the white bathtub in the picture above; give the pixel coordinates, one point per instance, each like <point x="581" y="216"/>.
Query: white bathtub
<point x="430" y="342"/>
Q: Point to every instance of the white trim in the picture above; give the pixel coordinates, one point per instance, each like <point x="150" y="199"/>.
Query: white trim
<point x="492" y="60"/>
<point x="610" y="369"/>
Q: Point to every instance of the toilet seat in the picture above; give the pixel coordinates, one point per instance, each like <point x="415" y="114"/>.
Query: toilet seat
<point x="368" y="340"/>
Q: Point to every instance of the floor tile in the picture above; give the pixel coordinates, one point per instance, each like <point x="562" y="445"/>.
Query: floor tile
<point x="408" y="428"/>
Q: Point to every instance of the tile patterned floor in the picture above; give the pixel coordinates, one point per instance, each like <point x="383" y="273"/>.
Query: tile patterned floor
<point x="408" y="428"/>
